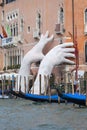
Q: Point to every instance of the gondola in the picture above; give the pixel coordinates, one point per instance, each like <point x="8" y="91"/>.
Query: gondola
<point x="38" y="98"/>
<point x="75" y="98"/>
<point x="15" y="93"/>
<point x="4" y="96"/>
<point x="4" y="92"/>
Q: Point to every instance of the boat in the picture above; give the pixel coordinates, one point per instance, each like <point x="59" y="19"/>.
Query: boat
<point x="4" y="92"/>
<point x="4" y="96"/>
<point x="38" y="98"/>
<point x="15" y="93"/>
<point x="75" y="98"/>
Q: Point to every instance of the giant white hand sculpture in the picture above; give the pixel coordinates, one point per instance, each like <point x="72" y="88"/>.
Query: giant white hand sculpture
<point x="34" y="55"/>
<point x="55" y="56"/>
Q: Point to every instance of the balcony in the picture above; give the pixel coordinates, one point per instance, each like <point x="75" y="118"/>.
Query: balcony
<point x="85" y="29"/>
<point x="11" y="41"/>
<point x="59" y="29"/>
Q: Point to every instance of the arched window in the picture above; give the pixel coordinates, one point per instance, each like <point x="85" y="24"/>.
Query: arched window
<point x="86" y="51"/>
<point x="21" y="24"/>
<point x="85" y="16"/>
<point x="11" y="30"/>
<point x="61" y="15"/>
<point x="38" y="20"/>
<point x="16" y="28"/>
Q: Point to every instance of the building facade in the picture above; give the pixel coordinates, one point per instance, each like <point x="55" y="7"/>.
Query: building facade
<point x="22" y="23"/>
<point x="78" y="24"/>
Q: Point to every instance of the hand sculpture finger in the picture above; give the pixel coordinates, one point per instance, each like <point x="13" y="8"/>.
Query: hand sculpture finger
<point x="69" y="50"/>
<point x="71" y="55"/>
<point x="69" y="61"/>
<point x="64" y="45"/>
<point x="50" y="38"/>
<point x="41" y="35"/>
<point x="47" y="34"/>
<point x="45" y="39"/>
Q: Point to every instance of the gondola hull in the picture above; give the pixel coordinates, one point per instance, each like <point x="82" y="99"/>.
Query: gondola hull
<point x="15" y="93"/>
<point x="38" y="98"/>
<point x="76" y="98"/>
<point x="4" y="92"/>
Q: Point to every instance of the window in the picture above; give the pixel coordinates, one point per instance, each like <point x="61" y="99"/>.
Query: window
<point x="86" y="52"/>
<point x="12" y="20"/>
<point x="10" y="58"/>
<point x="14" y="32"/>
<point x="28" y="29"/>
<point x="3" y="15"/>
<point x="5" y="59"/>
<point x="14" y="29"/>
<point x="11" y="29"/>
<point x="85" y="15"/>
<point x="8" y="1"/>
<point x="21" y="24"/>
<point x="13" y="58"/>
<point x="61" y="16"/>
<point x="38" y="21"/>
<point x="12" y="16"/>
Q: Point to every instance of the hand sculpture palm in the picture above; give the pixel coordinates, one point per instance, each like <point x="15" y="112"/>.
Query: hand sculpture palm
<point x="35" y="54"/>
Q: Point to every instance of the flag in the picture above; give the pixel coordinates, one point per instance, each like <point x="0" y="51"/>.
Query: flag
<point x="4" y="32"/>
<point x="8" y="30"/>
<point x="1" y="36"/>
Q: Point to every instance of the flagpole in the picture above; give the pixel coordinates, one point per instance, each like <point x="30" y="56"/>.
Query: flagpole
<point x="73" y="19"/>
<point x="74" y="32"/>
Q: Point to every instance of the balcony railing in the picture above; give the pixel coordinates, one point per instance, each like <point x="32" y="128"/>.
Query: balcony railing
<point x="11" y="41"/>
<point x="7" y="41"/>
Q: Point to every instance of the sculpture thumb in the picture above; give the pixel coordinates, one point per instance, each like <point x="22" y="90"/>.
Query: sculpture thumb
<point x="50" y="38"/>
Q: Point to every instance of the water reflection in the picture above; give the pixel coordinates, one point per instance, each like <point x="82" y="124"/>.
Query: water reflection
<point x="20" y="114"/>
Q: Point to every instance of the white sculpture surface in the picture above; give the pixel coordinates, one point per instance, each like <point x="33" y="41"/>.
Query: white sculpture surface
<point x="34" y="55"/>
<point x="55" y="56"/>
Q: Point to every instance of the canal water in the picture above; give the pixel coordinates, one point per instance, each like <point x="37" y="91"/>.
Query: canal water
<point x="20" y="114"/>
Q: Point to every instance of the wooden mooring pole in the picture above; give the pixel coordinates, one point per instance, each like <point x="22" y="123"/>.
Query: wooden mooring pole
<point x="2" y="88"/>
<point x="25" y="83"/>
<point x="13" y="82"/>
<point x="49" y="89"/>
<point x="86" y="93"/>
<point x="20" y="83"/>
<point x="28" y="84"/>
<point x="40" y="84"/>
<point x="33" y="84"/>
<point x="45" y="84"/>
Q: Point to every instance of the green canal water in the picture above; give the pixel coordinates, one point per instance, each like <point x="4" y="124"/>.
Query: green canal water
<point x="20" y="114"/>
